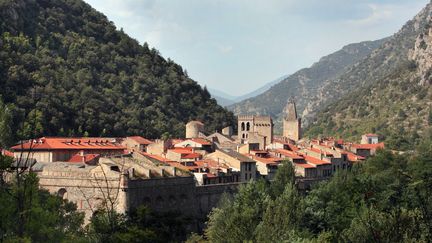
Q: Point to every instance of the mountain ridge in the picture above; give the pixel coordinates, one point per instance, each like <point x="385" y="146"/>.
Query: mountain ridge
<point x="388" y="93"/>
<point x="304" y="84"/>
<point x="67" y="71"/>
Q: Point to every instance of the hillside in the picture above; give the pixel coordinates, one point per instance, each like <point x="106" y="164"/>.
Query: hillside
<point x="66" y="70"/>
<point x="305" y="84"/>
<point x="388" y="93"/>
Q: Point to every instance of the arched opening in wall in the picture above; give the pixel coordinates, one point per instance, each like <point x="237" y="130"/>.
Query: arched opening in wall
<point x="62" y="193"/>
<point x="243" y="135"/>
<point x="247" y="126"/>
<point x="242" y="126"/>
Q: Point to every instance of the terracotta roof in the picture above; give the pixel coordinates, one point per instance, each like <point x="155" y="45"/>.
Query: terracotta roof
<point x="315" y="161"/>
<point x="7" y="153"/>
<point x="293" y="147"/>
<point x="186" y="153"/>
<point x="140" y="140"/>
<point x="368" y="146"/>
<point x="191" y="156"/>
<point x="353" y="157"/>
<point x="272" y="161"/>
<point x="304" y="165"/>
<point x="156" y="157"/>
<point x="80" y="158"/>
<point x="46" y="143"/>
<point x="289" y="153"/>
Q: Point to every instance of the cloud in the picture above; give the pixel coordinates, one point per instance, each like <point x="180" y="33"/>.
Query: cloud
<point x="224" y="48"/>
<point x="377" y="14"/>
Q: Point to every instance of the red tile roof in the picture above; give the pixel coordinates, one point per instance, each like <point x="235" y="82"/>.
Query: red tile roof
<point x="353" y="157"/>
<point x="288" y="153"/>
<point x="80" y="158"/>
<point x="156" y="157"/>
<point x="270" y="161"/>
<point x="7" y="153"/>
<point x="304" y="165"/>
<point x="140" y="140"/>
<point x="47" y="143"/>
<point x="186" y="153"/>
<point x="315" y="161"/>
<point x="191" y="156"/>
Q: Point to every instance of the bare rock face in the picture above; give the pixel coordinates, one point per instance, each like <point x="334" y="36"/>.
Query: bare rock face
<point x="422" y="54"/>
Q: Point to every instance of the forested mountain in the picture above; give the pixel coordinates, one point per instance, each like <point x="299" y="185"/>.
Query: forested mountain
<point x="305" y="84"/>
<point x="66" y="70"/>
<point x="388" y="93"/>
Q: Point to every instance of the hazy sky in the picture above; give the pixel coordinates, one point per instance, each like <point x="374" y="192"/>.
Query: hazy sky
<point x="238" y="45"/>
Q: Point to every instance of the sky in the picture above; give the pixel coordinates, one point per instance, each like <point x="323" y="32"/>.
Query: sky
<point x="236" y="46"/>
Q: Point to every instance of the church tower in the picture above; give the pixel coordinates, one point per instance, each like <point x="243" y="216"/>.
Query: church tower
<point x="291" y="122"/>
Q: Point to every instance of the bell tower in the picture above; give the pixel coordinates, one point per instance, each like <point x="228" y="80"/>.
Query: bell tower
<point x="291" y="122"/>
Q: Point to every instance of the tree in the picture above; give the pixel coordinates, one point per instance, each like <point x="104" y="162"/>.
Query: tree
<point x="285" y="175"/>
<point x="283" y="217"/>
<point x="235" y="220"/>
<point x="6" y="136"/>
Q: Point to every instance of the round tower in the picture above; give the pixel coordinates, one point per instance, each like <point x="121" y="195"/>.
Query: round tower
<point x="193" y="128"/>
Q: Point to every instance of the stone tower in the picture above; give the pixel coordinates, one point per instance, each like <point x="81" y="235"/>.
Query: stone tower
<point x="193" y="128"/>
<point x="261" y="125"/>
<point x="291" y="122"/>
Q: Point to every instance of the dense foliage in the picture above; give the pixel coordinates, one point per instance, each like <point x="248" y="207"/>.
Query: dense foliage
<point x="65" y="67"/>
<point x="386" y="199"/>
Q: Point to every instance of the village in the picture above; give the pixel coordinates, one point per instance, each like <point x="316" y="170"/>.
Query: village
<point x="188" y="174"/>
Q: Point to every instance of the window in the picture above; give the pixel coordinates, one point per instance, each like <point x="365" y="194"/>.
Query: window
<point x="247" y="126"/>
<point x="242" y="126"/>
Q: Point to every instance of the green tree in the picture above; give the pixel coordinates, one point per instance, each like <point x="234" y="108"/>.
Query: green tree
<point x="283" y="217"/>
<point x="236" y="219"/>
<point x="285" y="175"/>
<point x="6" y="136"/>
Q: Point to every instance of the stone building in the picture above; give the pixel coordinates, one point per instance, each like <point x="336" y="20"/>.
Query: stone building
<point x="256" y="126"/>
<point x="291" y="122"/>
<point x="136" y="143"/>
<point x="239" y="162"/>
<point x="126" y="185"/>
<point x="194" y="128"/>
